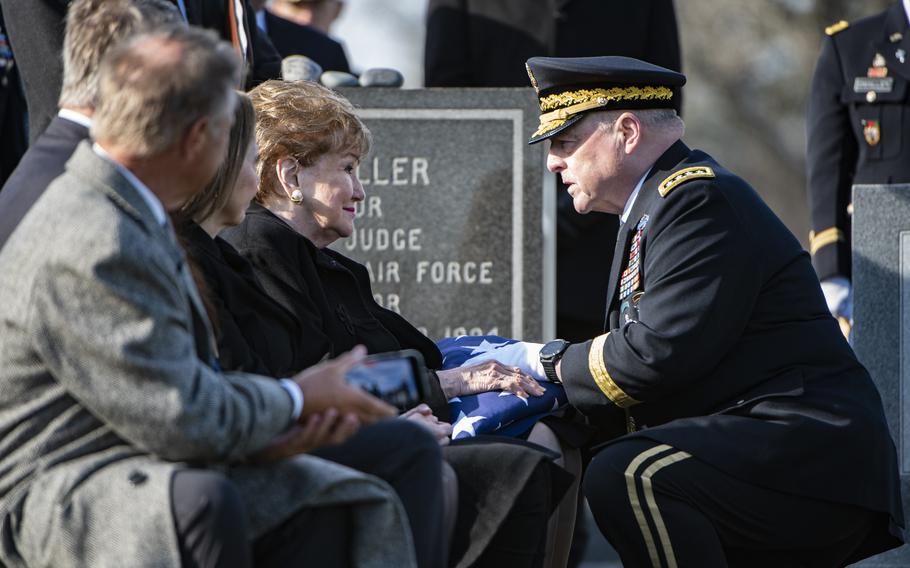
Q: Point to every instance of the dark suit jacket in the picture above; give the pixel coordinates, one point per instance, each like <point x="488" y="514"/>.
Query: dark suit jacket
<point x="41" y="164"/>
<point x="484" y="43"/>
<point x="35" y="30"/>
<point x="721" y="345"/>
<point x="254" y="333"/>
<point x="13" y="129"/>
<point x="854" y="137"/>
<point x="265" y="63"/>
<point x="291" y="38"/>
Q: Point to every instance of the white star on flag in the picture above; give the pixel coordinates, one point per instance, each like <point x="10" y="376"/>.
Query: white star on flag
<point x="507" y="393"/>
<point x="465" y="424"/>
<point x="485" y="347"/>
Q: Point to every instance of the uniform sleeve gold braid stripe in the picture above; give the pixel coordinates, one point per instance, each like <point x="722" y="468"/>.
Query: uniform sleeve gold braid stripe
<point x="682" y="176"/>
<point x="567" y="98"/>
<point x="829" y="236"/>
<point x="604" y="382"/>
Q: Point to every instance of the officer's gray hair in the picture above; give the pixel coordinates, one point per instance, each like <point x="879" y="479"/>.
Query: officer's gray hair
<point x="655" y="119"/>
<point x="152" y="88"/>
<point x="92" y="28"/>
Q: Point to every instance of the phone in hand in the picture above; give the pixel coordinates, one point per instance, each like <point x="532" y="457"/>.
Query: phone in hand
<point x="398" y="377"/>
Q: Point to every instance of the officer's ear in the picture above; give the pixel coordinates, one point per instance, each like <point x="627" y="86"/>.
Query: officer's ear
<point x="629" y="126"/>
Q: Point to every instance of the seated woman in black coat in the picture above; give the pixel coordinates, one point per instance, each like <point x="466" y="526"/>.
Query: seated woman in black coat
<point x="256" y="333"/>
<point x="310" y="143"/>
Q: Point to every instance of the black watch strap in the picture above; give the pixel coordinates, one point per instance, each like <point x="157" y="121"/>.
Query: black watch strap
<point x="549" y="369"/>
<point x="550" y="354"/>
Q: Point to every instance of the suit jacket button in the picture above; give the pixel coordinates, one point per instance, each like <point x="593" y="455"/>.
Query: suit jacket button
<point x="137" y="477"/>
<point x="871" y="96"/>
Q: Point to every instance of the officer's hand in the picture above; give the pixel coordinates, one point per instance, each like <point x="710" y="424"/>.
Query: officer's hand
<point x="324" y="386"/>
<point x="488" y="376"/>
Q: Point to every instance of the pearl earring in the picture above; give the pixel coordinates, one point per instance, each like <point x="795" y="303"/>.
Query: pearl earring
<point x="296" y="196"/>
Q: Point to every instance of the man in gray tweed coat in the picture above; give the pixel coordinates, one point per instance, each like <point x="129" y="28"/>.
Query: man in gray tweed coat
<point x="120" y="442"/>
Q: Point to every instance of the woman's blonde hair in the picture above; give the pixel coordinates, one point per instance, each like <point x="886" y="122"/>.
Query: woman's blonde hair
<point x="305" y="121"/>
<point x="216" y="194"/>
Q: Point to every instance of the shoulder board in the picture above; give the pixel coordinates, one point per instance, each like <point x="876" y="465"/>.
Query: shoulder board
<point x="838" y="27"/>
<point x="682" y="176"/>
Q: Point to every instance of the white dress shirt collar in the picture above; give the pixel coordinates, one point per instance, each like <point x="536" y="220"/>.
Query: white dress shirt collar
<point x="74" y="116"/>
<point x="631" y="201"/>
<point x="153" y="202"/>
<point x="907" y="10"/>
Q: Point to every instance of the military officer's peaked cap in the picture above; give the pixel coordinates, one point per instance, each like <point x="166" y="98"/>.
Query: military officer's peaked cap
<point x="567" y="87"/>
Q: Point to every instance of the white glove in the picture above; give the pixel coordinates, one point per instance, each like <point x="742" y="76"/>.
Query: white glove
<point x="524" y="355"/>
<point x="839" y="296"/>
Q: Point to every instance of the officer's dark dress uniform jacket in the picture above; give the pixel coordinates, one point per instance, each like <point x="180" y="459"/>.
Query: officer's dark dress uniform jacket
<point x="719" y="344"/>
<point x="858" y="126"/>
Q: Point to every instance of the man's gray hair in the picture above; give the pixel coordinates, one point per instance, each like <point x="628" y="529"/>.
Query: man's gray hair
<point x="654" y="118"/>
<point x="92" y="28"/>
<point x="155" y="86"/>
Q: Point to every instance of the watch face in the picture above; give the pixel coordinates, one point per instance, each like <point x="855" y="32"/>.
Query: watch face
<point x="553" y="348"/>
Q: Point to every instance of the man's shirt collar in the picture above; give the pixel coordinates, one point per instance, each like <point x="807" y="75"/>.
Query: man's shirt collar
<point x="631" y="201"/>
<point x="150" y="198"/>
<point x="76" y="117"/>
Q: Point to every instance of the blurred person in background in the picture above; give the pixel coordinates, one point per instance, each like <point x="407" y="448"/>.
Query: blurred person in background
<point x="857" y="133"/>
<point x="302" y="27"/>
<point x="92" y="28"/>
<point x="13" y="126"/>
<point x="36" y="28"/>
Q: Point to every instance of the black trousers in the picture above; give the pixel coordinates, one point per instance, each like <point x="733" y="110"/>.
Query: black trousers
<point x="209" y="516"/>
<point x="409" y="459"/>
<point x="211" y="529"/>
<point x="659" y="506"/>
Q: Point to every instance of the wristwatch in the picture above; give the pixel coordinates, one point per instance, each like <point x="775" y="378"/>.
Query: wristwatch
<point x="550" y="354"/>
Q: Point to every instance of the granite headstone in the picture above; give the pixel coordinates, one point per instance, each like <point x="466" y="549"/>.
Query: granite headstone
<point x="457" y="229"/>
<point x="881" y="317"/>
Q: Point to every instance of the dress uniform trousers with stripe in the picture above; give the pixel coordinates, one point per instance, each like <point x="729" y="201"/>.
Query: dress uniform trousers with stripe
<point x="751" y="424"/>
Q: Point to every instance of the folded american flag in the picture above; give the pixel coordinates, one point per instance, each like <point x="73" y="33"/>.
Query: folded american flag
<point x="495" y="412"/>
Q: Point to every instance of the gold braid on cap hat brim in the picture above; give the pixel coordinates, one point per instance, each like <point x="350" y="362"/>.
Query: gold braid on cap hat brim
<point x="564" y="99"/>
<point x="573" y="102"/>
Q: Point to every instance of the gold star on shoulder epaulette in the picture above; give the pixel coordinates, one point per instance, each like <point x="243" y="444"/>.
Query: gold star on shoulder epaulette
<point x="682" y="176"/>
<point x="838" y="27"/>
